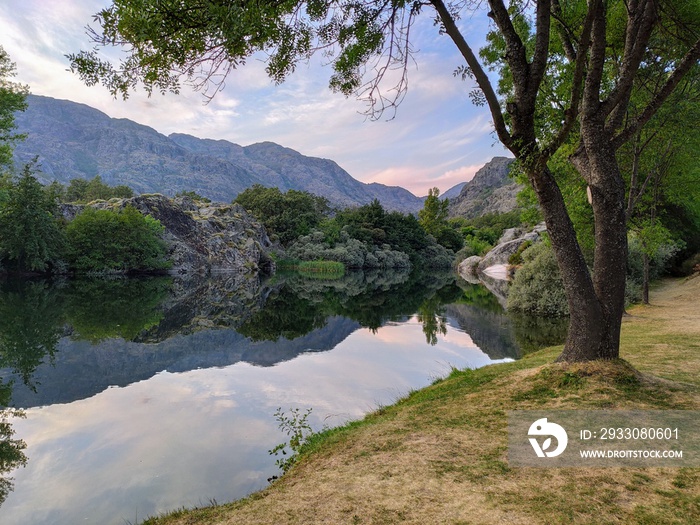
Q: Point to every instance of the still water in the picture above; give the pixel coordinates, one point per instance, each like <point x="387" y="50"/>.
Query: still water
<point x="144" y="396"/>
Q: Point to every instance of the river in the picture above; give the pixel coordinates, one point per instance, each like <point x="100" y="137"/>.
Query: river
<point x="141" y="396"/>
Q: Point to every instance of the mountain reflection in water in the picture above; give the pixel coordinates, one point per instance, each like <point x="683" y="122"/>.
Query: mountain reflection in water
<point x="171" y="344"/>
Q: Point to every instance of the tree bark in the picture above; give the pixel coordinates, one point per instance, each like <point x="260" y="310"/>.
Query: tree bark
<point x="587" y="317"/>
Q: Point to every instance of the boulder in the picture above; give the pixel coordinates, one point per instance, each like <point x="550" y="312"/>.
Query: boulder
<point x="467" y="268"/>
<point x="500" y="254"/>
<point x="202" y="237"/>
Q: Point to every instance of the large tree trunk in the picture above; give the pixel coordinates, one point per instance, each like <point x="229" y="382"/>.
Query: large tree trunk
<point x="596" y="303"/>
<point x="594" y="331"/>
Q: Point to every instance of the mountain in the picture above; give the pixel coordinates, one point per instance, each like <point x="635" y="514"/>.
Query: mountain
<point x="490" y="191"/>
<point x="453" y="192"/>
<point x="76" y="141"/>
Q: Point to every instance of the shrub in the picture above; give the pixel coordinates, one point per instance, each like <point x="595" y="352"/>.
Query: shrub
<point x="517" y="258"/>
<point x="109" y="241"/>
<point x="537" y="287"/>
<point x="691" y="265"/>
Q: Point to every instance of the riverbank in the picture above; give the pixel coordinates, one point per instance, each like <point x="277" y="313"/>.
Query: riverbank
<point x="439" y="455"/>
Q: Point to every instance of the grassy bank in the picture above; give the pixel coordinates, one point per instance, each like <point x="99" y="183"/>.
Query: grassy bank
<point x="321" y="269"/>
<point x="439" y="455"/>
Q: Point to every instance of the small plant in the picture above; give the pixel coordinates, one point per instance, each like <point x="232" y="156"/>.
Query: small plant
<point x="297" y="427"/>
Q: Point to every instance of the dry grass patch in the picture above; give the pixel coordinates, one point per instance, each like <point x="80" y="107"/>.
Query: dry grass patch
<point x="439" y="455"/>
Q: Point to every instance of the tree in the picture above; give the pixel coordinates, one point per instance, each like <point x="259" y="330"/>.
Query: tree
<point x="433" y="219"/>
<point x="433" y="216"/>
<point x="110" y="241"/>
<point x="289" y="215"/>
<point x="12" y="99"/>
<point x="31" y="238"/>
<point x="567" y="70"/>
<point x="83" y="190"/>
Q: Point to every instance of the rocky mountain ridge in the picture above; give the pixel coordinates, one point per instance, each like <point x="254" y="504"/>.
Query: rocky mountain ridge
<point x="73" y="140"/>
<point x="490" y="191"/>
<point x="76" y="141"/>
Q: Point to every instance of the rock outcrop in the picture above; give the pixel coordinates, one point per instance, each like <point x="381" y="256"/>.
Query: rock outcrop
<point x="490" y="191"/>
<point x="492" y="270"/>
<point x="509" y="243"/>
<point x="202" y="237"/>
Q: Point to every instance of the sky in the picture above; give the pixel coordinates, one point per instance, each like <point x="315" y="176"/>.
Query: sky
<point x="438" y="138"/>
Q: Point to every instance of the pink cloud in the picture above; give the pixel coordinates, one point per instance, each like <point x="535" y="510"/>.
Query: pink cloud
<point x="418" y="180"/>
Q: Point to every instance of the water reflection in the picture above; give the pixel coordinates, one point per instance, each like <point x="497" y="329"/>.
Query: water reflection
<point x="11" y="451"/>
<point x="201" y="365"/>
<point x="77" y="338"/>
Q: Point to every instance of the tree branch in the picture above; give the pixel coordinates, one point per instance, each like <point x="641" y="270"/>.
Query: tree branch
<point x="515" y="49"/>
<point x="596" y="61"/>
<point x="539" y="60"/>
<point x="577" y="86"/>
<point x="479" y="74"/>
<point x="689" y="60"/>
<point x="639" y="28"/>
<point x="565" y="33"/>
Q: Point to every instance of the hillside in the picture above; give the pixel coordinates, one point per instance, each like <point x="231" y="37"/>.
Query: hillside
<point x="490" y="191"/>
<point x="76" y="141"/>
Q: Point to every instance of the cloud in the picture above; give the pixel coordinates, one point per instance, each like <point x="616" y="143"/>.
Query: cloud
<point x="436" y="132"/>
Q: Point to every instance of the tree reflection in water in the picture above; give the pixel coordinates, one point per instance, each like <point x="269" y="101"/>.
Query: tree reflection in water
<point x="30" y="327"/>
<point x="36" y="315"/>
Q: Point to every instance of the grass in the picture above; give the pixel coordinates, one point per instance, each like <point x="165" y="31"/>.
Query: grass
<point x="318" y="269"/>
<point x="439" y="454"/>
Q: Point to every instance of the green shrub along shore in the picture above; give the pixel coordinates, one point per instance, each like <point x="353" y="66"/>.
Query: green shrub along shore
<point x="322" y="268"/>
<point x="439" y="455"/>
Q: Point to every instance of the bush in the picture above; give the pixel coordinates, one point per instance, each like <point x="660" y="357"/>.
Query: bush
<point x="286" y="215"/>
<point x="109" y="241"/>
<point x="517" y="258"/>
<point x="351" y="252"/>
<point x="537" y="287"/>
<point x="691" y="265"/>
<point x="658" y="262"/>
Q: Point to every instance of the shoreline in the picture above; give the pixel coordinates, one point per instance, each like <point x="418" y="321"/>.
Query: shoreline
<point x="439" y="455"/>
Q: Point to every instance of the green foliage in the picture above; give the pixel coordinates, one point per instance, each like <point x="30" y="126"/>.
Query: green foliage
<point x="192" y="195"/>
<point x="202" y="42"/>
<point x="82" y="190"/>
<point x="352" y="253"/>
<point x="12" y="99"/>
<point x="433" y="216"/>
<point x="110" y="241"/>
<point x="31" y="238"/>
<point x="537" y="287"/>
<point x="100" y="309"/>
<point x="368" y="297"/>
<point x="654" y="243"/>
<point x="12" y="454"/>
<point x="433" y="219"/>
<point x="31" y="324"/>
<point x="482" y="233"/>
<point x="369" y="237"/>
<point x="321" y="268"/>
<point x="517" y="257"/>
<point x="450" y="238"/>
<point x="297" y="428"/>
<point x="287" y="215"/>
